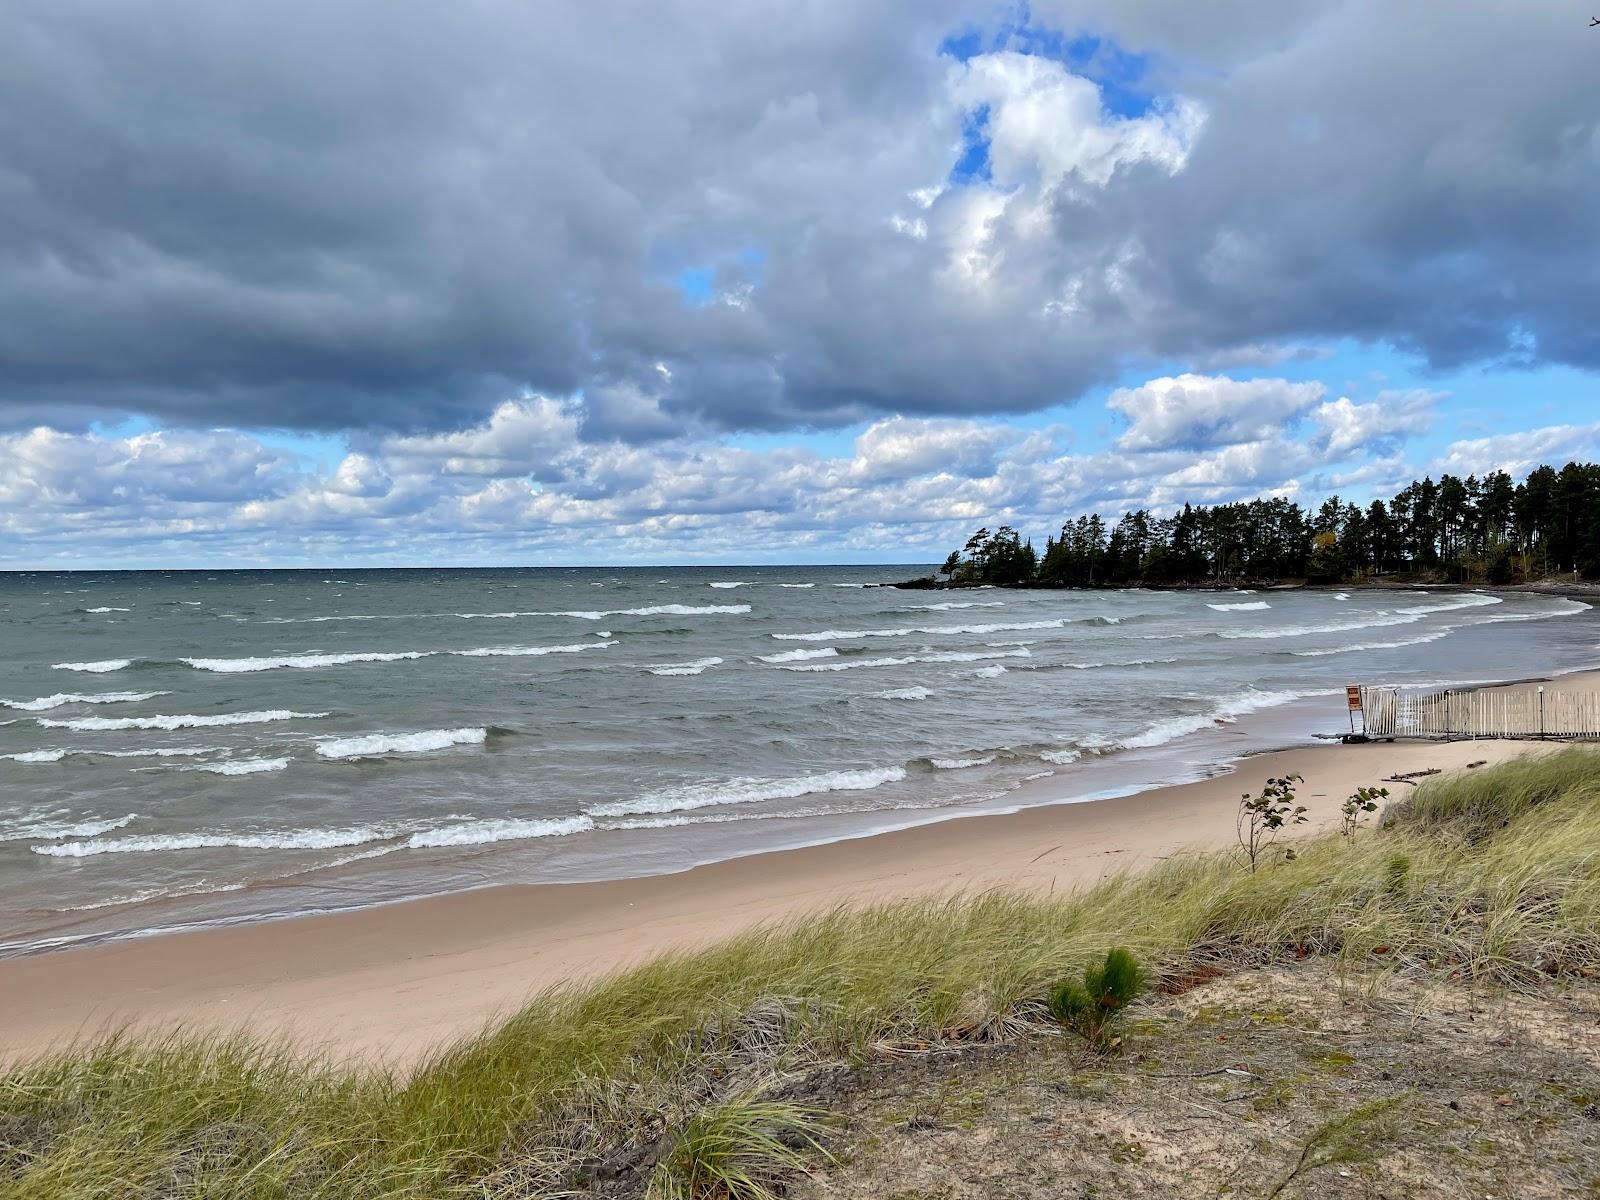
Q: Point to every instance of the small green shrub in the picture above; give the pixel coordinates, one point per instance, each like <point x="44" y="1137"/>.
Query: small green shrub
<point x="1354" y="810"/>
<point x="1092" y="1007"/>
<point x="1263" y="816"/>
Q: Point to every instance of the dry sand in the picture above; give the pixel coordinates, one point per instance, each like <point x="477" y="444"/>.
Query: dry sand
<point x="398" y="980"/>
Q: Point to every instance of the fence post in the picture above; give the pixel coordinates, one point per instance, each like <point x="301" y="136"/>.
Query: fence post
<point x="1541" y="711"/>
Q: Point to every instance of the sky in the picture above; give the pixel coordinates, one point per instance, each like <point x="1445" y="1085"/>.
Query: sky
<point x="336" y="282"/>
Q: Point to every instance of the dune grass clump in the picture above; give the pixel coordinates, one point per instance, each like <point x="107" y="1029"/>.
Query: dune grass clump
<point x="1493" y="876"/>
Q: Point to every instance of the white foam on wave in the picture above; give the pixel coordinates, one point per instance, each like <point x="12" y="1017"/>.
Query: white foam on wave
<point x="107" y="608"/>
<point x="1224" y="713"/>
<point x="36" y="756"/>
<point x="950" y="604"/>
<point x="401" y="743"/>
<point x="797" y="585"/>
<point x="960" y="764"/>
<point x="150" y="843"/>
<point x="798" y="655"/>
<point x="990" y="672"/>
<point x="730" y="583"/>
<point x="1341" y="595"/>
<point x="1124" y="662"/>
<point x="1245" y="606"/>
<point x="846" y="635"/>
<point x="688" y="668"/>
<point x="1472" y="600"/>
<point x="181" y="721"/>
<point x="1416" y="641"/>
<point x="60" y="698"/>
<point x="46" y="830"/>
<point x="910" y="693"/>
<point x="94" y="668"/>
<point x="950" y="656"/>
<point x="747" y="790"/>
<point x="505" y="829"/>
<point x="243" y="766"/>
<point x="528" y="651"/>
<point x="1376" y="621"/>
<point x="1061" y="758"/>
<point x="160" y="752"/>
<point x="301" y="662"/>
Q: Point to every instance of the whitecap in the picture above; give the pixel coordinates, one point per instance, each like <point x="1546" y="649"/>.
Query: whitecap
<point x="951" y="604"/>
<point x="845" y="635"/>
<point x="401" y="743"/>
<point x="1246" y="606"/>
<point x="747" y="790"/>
<point x="1061" y="758"/>
<point x="183" y="721"/>
<point x="960" y="764"/>
<point x="528" y="651"/>
<point x="1417" y="641"/>
<point x="96" y="668"/>
<point x="732" y="583"/>
<point x="798" y="655"/>
<point x="60" y="698"/>
<point x="243" y="766"/>
<point x="107" y="609"/>
<point x="36" y="756"/>
<point x="478" y="833"/>
<point x="951" y="656"/>
<point x="910" y="693"/>
<point x="797" y="585"/>
<point x="302" y="662"/>
<point x="52" y="830"/>
<point x="688" y="668"/>
<point x="989" y="672"/>
<point x="151" y="843"/>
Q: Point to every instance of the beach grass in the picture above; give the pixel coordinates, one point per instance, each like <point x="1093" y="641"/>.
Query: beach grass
<point x="673" y="1073"/>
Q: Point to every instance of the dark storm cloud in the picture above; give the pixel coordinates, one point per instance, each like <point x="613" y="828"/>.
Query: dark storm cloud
<point x="347" y="215"/>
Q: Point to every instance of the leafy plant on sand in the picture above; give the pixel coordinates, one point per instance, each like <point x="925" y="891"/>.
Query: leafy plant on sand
<point x="1353" y="811"/>
<point x="1263" y="816"/>
<point x="1092" y="1007"/>
<point x="1492" y="875"/>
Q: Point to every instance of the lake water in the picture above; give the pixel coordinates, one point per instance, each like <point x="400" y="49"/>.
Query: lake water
<point x="180" y="747"/>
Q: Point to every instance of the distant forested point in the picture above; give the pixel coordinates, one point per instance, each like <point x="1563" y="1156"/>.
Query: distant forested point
<point x="1490" y="530"/>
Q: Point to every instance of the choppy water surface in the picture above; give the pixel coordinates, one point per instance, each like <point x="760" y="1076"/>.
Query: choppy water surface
<point x="194" y="746"/>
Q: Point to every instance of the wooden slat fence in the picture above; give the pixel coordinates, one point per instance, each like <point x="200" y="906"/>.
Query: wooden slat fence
<point x="1388" y="712"/>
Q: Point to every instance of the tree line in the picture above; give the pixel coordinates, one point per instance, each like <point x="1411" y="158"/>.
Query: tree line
<point x="1489" y="530"/>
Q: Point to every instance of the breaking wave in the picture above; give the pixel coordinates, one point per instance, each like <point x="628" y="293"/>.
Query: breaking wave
<point x="910" y="693"/>
<point x="528" y="651"/>
<point x="688" y="668"/>
<point x="183" y="721"/>
<point x="95" y="668"/>
<point x="479" y="833"/>
<point x="746" y="790"/>
<point x="845" y="635"/>
<point x="243" y="766"/>
<point x="798" y="655"/>
<point x="47" y="830"/>
<point x="401" y="743"/>
<point x="950" y="656"/>
<point x="60" y="698"/>
<point x="1244" y="606"/>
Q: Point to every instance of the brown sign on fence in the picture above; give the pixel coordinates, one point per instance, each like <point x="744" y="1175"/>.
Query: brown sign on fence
<point x="1352" y="697"/>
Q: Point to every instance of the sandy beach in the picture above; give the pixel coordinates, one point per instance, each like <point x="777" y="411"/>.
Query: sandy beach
<point x="398" y="980"/>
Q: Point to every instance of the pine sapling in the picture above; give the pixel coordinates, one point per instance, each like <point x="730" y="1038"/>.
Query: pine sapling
<point x="1263" y="816"/>
<point x="1093" y="1007"/>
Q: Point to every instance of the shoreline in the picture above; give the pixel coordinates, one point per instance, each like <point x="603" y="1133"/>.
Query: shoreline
<point x="395" y="980"/>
